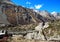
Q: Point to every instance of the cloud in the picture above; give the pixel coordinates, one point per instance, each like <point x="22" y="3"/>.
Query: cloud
<point x="53" y="12"/>
<point x="38" y="6"/>
<point x="28" y="2"/>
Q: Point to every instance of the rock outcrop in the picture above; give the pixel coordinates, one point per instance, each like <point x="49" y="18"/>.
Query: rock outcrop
<point x="38" y="33"/>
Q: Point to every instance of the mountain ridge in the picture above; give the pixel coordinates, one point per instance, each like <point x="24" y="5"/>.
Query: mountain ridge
<point x="21" y="15"/>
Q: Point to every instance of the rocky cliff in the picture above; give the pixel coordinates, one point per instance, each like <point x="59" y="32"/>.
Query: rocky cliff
<point x="20" y="15"/>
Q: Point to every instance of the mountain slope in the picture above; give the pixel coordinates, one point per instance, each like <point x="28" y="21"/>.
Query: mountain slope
<point x="21" y="15"/>
<point x="3" y="19"/>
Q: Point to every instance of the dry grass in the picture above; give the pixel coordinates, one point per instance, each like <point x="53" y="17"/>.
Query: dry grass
<point x="20" y="39"/>
<point x="54" y="28"/>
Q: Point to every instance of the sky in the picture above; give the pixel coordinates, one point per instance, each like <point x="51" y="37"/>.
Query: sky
<point x="49" y="5"/>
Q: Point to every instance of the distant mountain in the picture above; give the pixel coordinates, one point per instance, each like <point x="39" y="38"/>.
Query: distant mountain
<point x="56" y="15"/>
<point x="46" y="15"/>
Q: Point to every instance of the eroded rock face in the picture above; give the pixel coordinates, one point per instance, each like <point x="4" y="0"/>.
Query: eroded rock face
<point x="46" y="25"/>
<point x="29" y="36"/>
<point x="20" y="15"/>
<point x="3" y="20"/>
<point x="38" y="33"/>
<point x="39" y="27"/>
